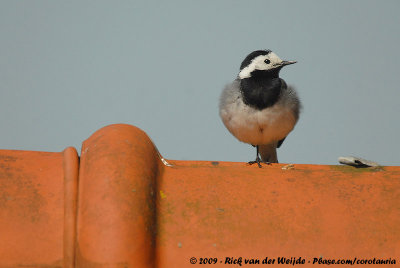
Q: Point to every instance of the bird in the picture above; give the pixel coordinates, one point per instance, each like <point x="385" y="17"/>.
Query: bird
<point x="258" y="107"/>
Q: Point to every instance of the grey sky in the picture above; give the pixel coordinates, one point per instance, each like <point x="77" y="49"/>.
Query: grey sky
<point x="69" y="68"/>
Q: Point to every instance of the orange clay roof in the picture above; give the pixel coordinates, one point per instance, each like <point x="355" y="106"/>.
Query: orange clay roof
<point x="120" y="206"/>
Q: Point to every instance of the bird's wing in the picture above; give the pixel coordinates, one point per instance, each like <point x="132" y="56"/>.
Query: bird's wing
<point x="280" y="142"/>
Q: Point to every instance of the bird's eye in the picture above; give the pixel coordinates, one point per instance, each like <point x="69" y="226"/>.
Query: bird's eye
<point x="267" y="61"/>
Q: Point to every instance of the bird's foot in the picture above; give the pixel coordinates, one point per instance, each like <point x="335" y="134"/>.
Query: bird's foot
<point x="258" y="161"/>
<point x="253" y="162"/>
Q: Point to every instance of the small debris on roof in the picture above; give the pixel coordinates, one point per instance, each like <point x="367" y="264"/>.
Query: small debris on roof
<point x="290" y="166"/>
<point x="356" y="161"/>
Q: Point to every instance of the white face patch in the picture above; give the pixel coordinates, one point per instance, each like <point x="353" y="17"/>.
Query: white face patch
<point x="258" y="63"/>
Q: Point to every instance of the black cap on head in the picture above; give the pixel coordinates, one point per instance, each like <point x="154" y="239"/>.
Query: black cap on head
<point x="252" y="55"/>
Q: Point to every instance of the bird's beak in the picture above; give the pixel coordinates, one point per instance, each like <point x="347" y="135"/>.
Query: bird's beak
<point x="287" y="62"/>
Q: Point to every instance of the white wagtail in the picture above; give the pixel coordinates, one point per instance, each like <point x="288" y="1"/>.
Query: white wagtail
<point x="258" y="107"/>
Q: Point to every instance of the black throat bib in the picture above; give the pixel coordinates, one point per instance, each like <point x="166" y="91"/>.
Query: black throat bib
<point x="262" y="89"/>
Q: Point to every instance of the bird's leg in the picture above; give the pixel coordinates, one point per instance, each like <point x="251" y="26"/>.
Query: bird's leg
<point x="258" y="159"/>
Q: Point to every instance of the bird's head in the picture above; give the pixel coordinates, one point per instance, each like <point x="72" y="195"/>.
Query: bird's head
<point x="261" y="60"/>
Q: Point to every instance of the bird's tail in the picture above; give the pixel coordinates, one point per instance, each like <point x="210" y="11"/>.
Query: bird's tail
<point x="268" y="153"/>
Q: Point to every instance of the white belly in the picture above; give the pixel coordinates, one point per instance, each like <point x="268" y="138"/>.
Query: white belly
<point x="257" y="127"/>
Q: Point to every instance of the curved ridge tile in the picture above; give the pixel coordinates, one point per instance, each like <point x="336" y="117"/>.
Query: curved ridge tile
<point x="117" y="193"/>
